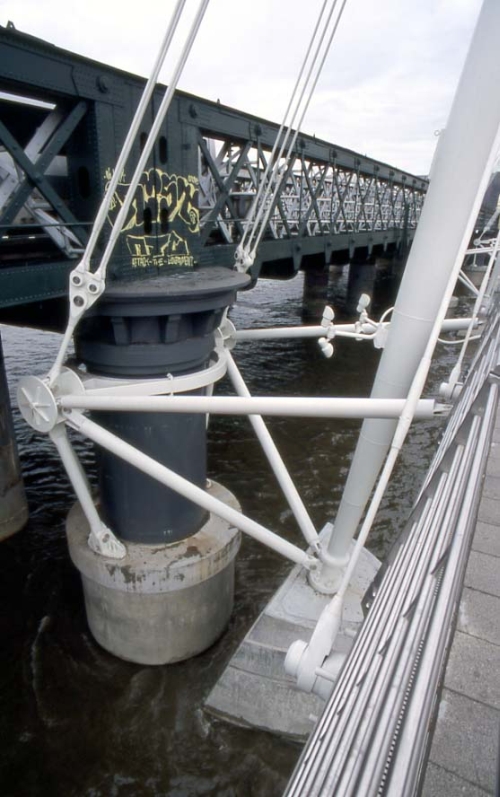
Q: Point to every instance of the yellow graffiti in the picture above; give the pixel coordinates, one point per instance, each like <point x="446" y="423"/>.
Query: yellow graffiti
<point x="160" y="201"/>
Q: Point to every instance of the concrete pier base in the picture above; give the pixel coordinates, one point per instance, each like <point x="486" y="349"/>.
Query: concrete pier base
<point x="13" y="504"/>
<point x="254" y="689"/>
<point x="315" y="292"/>
<point x="161" y="603"/>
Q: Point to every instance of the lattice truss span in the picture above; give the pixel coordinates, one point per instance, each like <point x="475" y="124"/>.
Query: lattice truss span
<point x="316" y="197"/>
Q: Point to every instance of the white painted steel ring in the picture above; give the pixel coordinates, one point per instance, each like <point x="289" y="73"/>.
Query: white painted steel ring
<point x="100" y="386"/>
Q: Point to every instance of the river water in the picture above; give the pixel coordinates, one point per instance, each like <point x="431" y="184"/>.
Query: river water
<point x="77" y="722"/>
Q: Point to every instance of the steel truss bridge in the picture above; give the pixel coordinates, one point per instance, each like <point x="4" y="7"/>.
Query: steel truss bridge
<point x="63" y="119"/>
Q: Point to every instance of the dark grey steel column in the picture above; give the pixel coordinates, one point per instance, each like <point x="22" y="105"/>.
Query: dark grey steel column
<point x="143" y="330"/>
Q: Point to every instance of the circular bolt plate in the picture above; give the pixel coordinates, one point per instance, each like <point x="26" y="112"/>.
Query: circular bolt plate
<point x="37" y="404"/>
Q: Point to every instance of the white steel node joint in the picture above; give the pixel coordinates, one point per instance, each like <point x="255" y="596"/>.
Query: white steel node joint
<point x="328" y="576"/>
<point x="315" y="665"/>
<point x="37" y="404"/>
<point x="103" y="542"/>
<point x="84" y="289"/>
<point x="225" y="336"/>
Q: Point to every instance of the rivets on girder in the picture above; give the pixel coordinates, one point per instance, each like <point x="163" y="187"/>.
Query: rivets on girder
<point x="102" y="84"/>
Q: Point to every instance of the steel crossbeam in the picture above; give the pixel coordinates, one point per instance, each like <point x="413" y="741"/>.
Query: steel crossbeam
<point x="57" y="133"/>
<point x="36" y="158"/>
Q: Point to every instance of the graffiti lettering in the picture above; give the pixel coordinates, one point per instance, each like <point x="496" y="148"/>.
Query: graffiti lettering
<point x="161" y="203"/>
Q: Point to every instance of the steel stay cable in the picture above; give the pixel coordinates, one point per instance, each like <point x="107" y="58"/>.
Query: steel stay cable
<point x="482" y="362"/>
<point x="371" y="625"/>
<point x="413" y="396"/>
<point x="391" y="597"/>
<point x="452" y="581"/>
<point x="317" y="759"/>
<point x="467" y="282"/>
<point x="264" y="188"/>
<point x="285" y="126"/>
<point x="265" y="216"/>
<point x="279" y="469"/>
<point x="155" y="129"/>
<point x="97" y="284"/>
<point x="101" y="217"/>
<point x="101" y="539"/>
<point x="260" y="217"/>
<point x="455" y="374"/>
<point x="385" y="625"/>
<point x="421" y="612"/>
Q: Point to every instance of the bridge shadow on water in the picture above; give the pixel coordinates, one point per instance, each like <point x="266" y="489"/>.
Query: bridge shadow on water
<point x="77" y="722"/>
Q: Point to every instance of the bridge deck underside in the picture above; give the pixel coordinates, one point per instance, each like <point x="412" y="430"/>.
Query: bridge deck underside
<point x="34" y="282"/>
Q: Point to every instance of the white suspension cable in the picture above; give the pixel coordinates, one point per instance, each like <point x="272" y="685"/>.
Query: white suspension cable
<point x="131" y="137"/>
<point x="489" y="224"/>
<point x="85" y="286"/>
<point x="285" y="127"/>
<point x="245" y="254"/>
<point x="268" y="207"/>
<point x="167" y="99"/>
<point x="464" y="279"/>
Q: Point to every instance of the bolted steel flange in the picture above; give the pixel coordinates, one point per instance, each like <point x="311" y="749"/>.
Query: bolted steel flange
<point x="37" y="403"/>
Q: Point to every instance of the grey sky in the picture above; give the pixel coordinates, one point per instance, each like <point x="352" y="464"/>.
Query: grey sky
<point x="387" y="85"/>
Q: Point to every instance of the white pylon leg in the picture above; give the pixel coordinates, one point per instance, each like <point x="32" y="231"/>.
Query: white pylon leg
<point x="463" y="164"/>
<point x="101" y="539"/>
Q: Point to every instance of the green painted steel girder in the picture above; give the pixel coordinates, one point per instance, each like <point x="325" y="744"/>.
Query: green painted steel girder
<point x="190" y="207"/>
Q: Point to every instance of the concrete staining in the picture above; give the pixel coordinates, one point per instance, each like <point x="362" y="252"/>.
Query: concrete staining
<point x="160" y="604"/>
<point x="464" y="757"/>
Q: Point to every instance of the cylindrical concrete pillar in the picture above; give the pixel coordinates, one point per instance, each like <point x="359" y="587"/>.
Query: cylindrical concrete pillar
<point x="13" y="504"/>
<point x="160" y="604"/>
